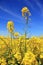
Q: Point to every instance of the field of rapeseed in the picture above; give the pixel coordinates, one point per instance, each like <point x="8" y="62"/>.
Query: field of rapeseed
<point x="14" y="53"/>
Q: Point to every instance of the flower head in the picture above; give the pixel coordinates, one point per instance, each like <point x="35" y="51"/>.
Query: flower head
<point x="25" y="10"/>
<point x="16" y="34"/>
<point x="10" y="26"/>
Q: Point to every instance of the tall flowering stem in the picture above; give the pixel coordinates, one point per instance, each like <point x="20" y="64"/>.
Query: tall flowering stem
<point x="26" y="13"/>
<point x="10" y="26"/>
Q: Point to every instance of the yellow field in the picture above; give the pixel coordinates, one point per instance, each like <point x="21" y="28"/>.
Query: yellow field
<point x="21" y="51"/>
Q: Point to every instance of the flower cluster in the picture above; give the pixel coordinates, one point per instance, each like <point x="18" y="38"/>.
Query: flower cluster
<point x="25" y="11"/>
<point x="10" y="26"/>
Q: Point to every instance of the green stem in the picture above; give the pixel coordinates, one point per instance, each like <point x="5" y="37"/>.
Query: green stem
<point x="26" y="33"/>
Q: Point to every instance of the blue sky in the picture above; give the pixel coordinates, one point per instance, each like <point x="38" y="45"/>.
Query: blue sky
<point x="11" y="10"/>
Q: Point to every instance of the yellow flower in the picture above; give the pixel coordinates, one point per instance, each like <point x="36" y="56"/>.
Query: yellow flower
<point x="2" y="37"/>
<point x="2" y="61"/>
<point x="18" y="56"/>
<point x="29" y="58"/>
<point x="10" y="26"/>
<point x="16" y="34"/>
<point x="3" y="47"/>
<point x="22" y="38"/>
<point x="41" y="56"/>
<point x="34" y="44"/>
<point x="24" y="11"/>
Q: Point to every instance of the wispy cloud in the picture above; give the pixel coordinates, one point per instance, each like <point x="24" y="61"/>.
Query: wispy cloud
<point x="28" y="3"/>
<point x="11" y="13"/>
<point x="40" y="7"/>
<point x="6" y="10"/>
<point x="16" y="16"/>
